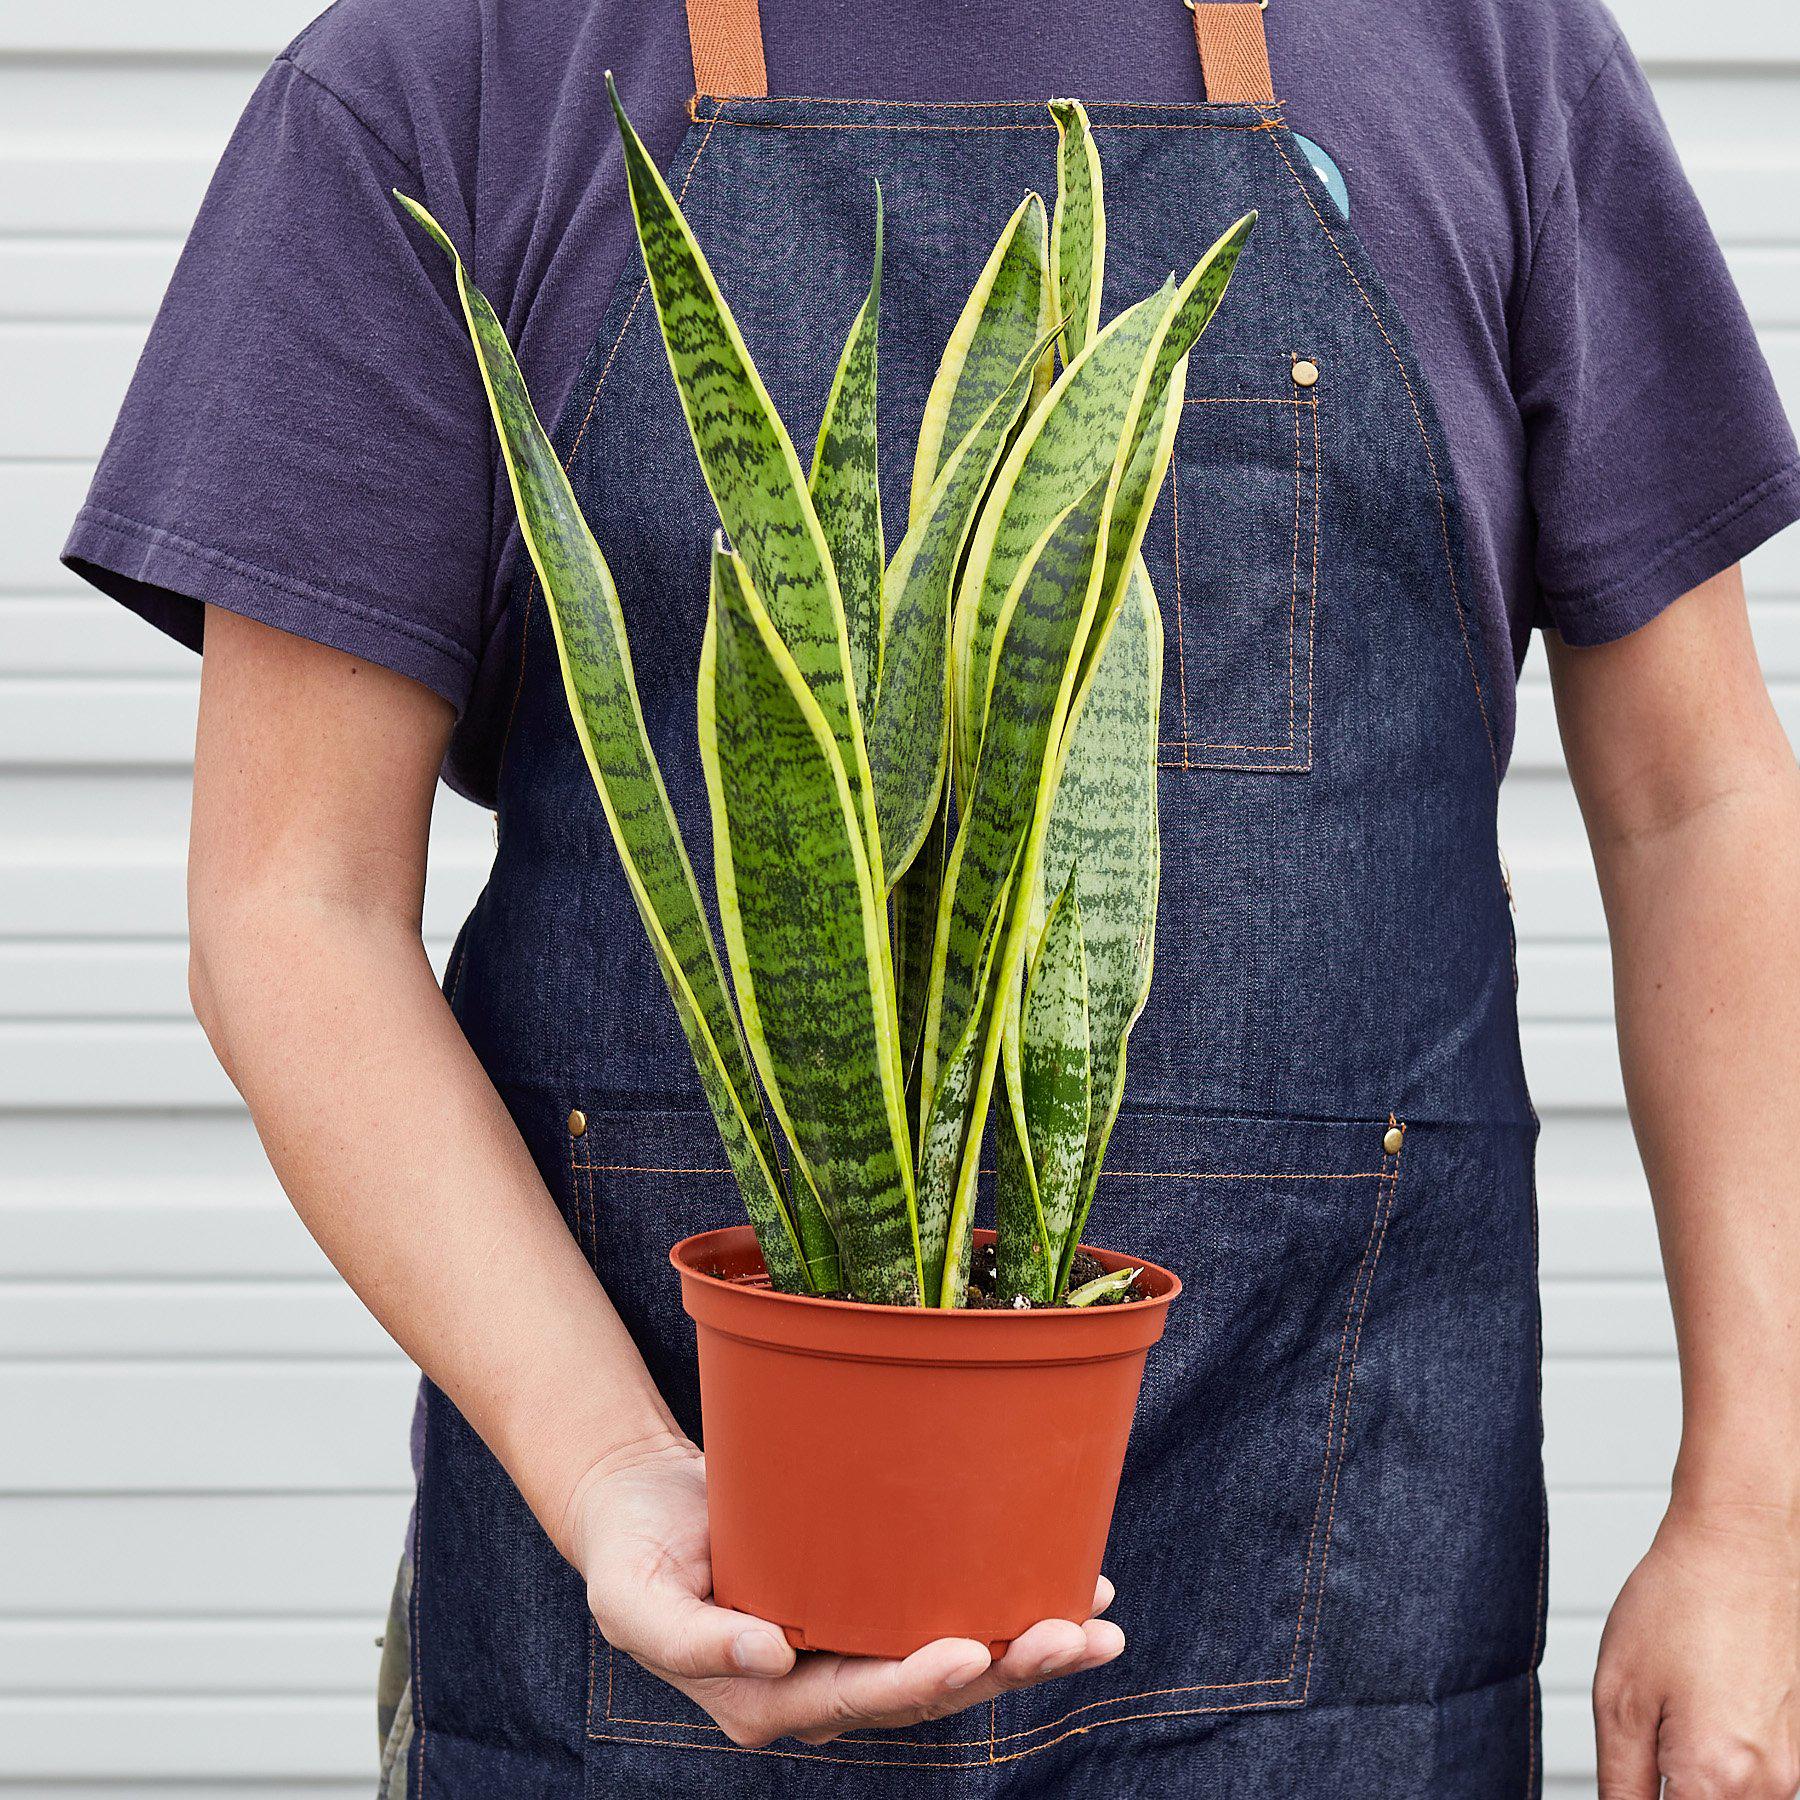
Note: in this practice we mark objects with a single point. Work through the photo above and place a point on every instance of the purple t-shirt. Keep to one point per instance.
(306, 440)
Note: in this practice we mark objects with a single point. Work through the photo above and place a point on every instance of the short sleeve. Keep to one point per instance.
(301, 442)
(1658, 453)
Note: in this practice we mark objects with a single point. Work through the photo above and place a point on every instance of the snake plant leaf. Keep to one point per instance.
(1078, 228)
(909, 732)
(1067, 444)
(1051, 597)
(1102, 835)
(944, 1138)
(915, 902)
(1007, 315)
(1050, 1140)
(805, 934)
(846, 488)
(595, 656)
(749, 462)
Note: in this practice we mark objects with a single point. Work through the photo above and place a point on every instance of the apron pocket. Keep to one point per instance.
(1236, 1476)
(1233, 549)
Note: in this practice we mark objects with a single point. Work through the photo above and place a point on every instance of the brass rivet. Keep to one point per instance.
(577, 1123)
(1393, 1140)
(1306, 372)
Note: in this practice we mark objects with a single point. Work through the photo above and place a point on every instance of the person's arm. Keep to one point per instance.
(1691, 797)
(313, 784)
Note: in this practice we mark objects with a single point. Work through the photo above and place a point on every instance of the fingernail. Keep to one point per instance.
(760, 1653)
(963, 1673)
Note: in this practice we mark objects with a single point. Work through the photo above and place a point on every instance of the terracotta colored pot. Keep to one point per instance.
(879, 1476)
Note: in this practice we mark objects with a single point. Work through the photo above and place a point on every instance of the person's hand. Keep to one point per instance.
(636, 1529)
(1699, 1677)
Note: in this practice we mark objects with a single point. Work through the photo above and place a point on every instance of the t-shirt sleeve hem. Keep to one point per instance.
(169, 580)
(1617, 608)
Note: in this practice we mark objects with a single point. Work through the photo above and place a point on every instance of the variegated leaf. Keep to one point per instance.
(1102, 831)
(749, 463)
(909, 734)
(1005, 317)
(1035, 1213)
(805, 932)
(1078, 230)
(846, 489)
(1069, 443)
(595, 657)
(944, 1140)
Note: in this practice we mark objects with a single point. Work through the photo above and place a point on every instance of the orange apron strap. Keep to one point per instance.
(726, 37)
(1234, 52)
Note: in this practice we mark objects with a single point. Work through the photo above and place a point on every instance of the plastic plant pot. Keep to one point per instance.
(880, 1476)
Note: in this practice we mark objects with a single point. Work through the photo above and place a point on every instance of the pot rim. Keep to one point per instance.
(686, 1256)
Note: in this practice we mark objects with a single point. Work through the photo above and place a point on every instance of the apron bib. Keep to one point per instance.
(1329, 1544)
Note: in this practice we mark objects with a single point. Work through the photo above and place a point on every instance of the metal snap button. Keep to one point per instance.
(1306, 372)
(1392, 1141)
(577, 1123)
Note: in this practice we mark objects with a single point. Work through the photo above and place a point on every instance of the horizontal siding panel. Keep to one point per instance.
(160, 1427)
(195, 1556)
(77, 632)
(85, 280)
(169, 1229)
(228, 1657)
(181, 1738)
(114, 1320)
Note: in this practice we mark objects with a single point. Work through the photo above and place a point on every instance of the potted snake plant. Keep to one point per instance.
(932, 778)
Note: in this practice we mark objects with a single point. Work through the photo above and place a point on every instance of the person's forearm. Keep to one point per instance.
(403, 1162)
(1704, 909)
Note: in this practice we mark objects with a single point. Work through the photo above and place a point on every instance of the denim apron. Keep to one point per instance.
(1329, 1545)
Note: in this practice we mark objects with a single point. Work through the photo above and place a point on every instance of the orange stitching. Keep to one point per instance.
(1180, 647)
(1424, 438)
(1350, 1395)
(644, 1169)
(1312, 617)
(1210, 749)
(418, 1583)
(531, 591)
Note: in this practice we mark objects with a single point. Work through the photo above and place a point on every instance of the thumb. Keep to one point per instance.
(663, 1625)
(1626, 1731)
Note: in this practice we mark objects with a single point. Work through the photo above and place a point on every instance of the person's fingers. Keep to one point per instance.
(666, 1626)
(1103, 1597)
(828, 1695)
(1625, 1734)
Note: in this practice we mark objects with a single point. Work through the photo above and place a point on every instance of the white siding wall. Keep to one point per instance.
(202, 1465)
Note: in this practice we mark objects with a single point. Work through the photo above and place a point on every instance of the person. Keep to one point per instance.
(1513, 389)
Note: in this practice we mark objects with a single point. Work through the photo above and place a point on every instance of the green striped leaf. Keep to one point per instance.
(845, 485)
(595, 658)
(909, 733)
(805, 936)
(1102, 834)
(1078, 230)
(749, 463)
(1069, 443)
(1104, 1288)
(1044, 616)
(915, 902)
(1006, 317)
(1049, 1140)
(944, 1141)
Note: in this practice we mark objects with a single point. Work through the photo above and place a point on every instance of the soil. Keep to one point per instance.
(984, 1278)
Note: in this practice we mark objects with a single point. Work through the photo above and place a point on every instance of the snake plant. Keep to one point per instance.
(932, 775)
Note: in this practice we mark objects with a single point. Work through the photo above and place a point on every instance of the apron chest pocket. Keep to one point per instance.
(1234, 552)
